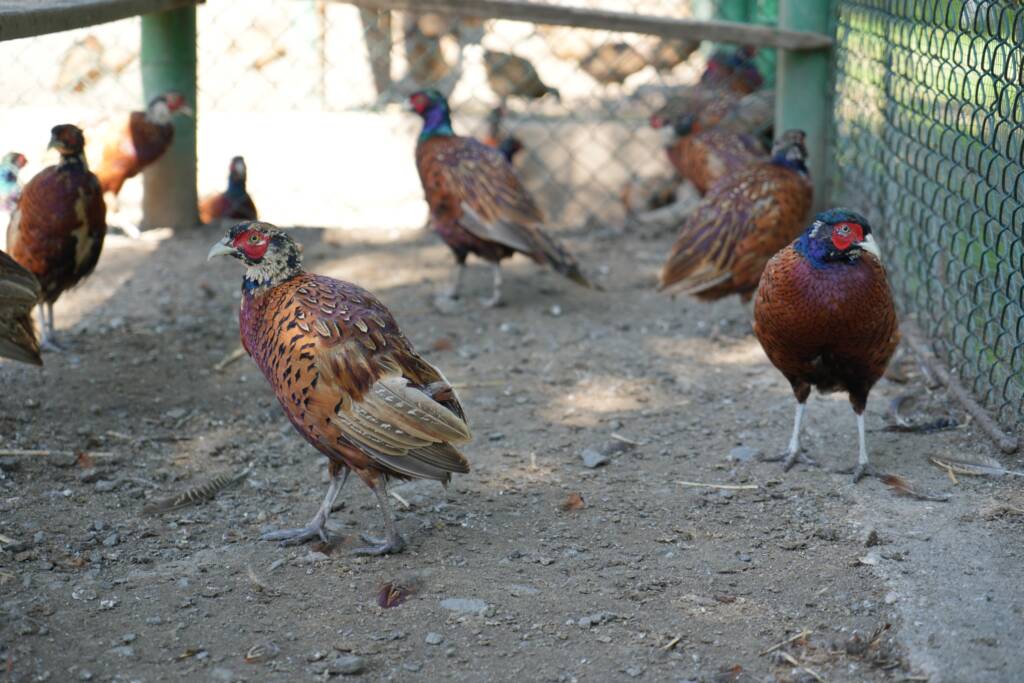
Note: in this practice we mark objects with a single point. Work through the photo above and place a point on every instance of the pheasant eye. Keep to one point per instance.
(254, 238)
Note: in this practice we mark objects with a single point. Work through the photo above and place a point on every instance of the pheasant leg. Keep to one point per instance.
(49, 337)
(392, 542)
(863, 467)
(446, 300)
(317, 526)
(793, 455)
(495, 299)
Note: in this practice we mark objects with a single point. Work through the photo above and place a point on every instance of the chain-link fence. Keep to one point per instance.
(313, 94)
(929, 140)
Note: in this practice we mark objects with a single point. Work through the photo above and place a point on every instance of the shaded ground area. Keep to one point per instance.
(650, 579)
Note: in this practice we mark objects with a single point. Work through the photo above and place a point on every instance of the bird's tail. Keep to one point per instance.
(559, 258)
(22, 344)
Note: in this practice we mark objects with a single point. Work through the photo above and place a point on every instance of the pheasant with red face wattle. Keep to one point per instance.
(234, 203)
(740, 223)
(140, 141)
(57, 229)
(347, 378)
(477, 204)
(825, 317)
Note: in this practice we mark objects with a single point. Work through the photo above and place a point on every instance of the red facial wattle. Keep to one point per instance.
(419, 102)
(253, 244)
(846, 234)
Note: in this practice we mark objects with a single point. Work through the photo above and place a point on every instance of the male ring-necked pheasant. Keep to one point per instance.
(57, 229)
(477, 204)
(824, 315)
(348, 379)
(740, 223)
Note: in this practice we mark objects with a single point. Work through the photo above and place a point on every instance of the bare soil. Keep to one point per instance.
(650, 579)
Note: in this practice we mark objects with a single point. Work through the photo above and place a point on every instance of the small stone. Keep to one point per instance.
(556, 310)
(891, 597)
(175, 413)
(433, 638)
(519, 590)
(593, 458)
(634, 671)
(85, 675)
(112, 540)
(108, 603)
(128, 638)
(106, 485)
(495, 436)
(219, 673)
(346, 665)
(412, 666)
(464, 605)
(38, 537)
(743, 454)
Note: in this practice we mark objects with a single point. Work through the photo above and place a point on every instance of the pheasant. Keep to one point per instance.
(10, 185)
(57, 230)
(235, 202)
(825, 317)
(143, 139)
(347, 378)
(740, 223)
(512, 76)
(733, 71)
(19, 292)
(705, 156)
(477, 204)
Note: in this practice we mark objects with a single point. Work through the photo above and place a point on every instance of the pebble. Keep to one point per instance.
(175, 413)
(465, 605)
(112, 540)
(346, 665)
(433, 638)
(634, 671)
(743, 454)
(38, 537)
(891, 597)
(106, 485)
(108, 603)
(593, 458)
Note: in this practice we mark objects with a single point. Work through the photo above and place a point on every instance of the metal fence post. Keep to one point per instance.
(169, 63)
(802, 98)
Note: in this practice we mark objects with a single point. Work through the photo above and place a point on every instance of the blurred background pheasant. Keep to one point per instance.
(348, 379)
(740, 223)
(824, 315)
(140, 140)
(235, 202)
(477, 204)
(10, 184)
(512, 76)
(19, 294)
(58, 227)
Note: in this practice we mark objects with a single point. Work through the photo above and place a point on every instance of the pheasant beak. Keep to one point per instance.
(185, 110)
(871, 246)
(221, 248)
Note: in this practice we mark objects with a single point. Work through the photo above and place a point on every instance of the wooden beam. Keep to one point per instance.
(26, 18)
(580, 17)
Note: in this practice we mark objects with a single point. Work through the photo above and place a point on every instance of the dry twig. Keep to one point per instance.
(727, 487)
(803, 634)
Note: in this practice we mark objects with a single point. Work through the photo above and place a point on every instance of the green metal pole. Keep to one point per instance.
(734, 10)
(169, 63)
(802, 97)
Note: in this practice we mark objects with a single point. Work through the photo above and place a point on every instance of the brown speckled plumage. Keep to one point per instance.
(707, 156)
(739, 224)
(19, 293)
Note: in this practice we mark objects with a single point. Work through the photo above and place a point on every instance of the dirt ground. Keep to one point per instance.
(788, 577)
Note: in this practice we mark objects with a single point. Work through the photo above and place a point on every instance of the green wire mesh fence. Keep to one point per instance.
(928, 138)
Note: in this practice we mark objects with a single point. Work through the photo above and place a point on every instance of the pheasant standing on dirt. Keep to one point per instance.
(233, 203)
(10, 185)
(19, 293)
(57, 230)
(825, 317)
(348, 379)
(477, 204)
(142, 139)
(740, 223)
